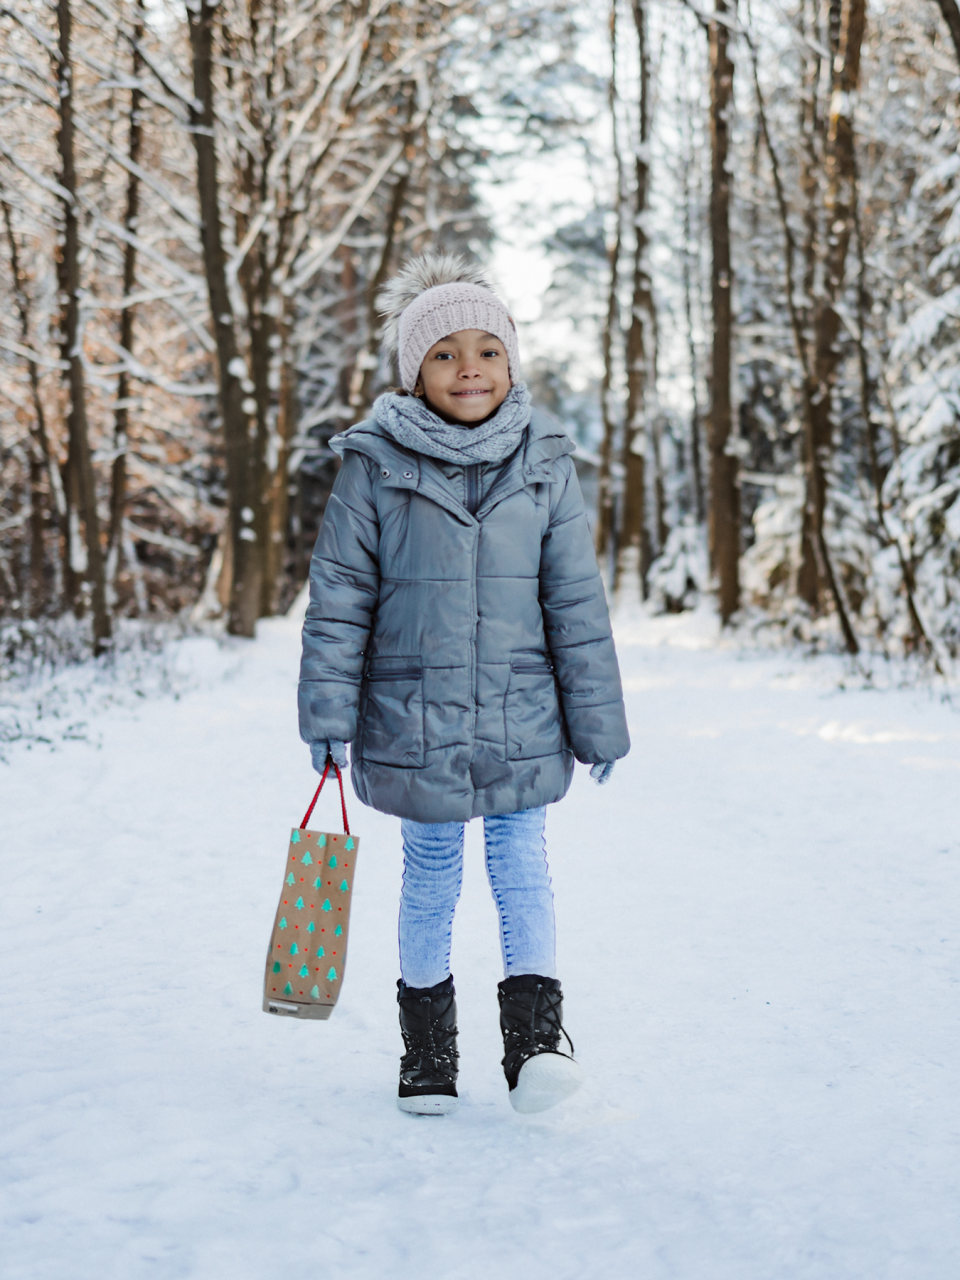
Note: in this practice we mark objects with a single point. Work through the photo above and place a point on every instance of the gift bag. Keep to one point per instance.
(308, 946)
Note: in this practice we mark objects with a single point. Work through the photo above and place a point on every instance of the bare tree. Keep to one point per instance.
(848, 20)
(724, 519)
(361, 380)
(86, 560)
(808, 375)
(118, 487)
(641, 331)
(42, 460)
(311, 125)
(951, 16)
(606, 531)
(235, 410)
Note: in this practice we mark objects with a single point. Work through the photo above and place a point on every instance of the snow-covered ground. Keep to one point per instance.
(759, 949)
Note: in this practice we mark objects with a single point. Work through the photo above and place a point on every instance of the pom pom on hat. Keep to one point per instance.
(433, 296)
(416, 277)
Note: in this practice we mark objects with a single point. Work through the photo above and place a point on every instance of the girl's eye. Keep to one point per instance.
(443, 355)
(491, 353)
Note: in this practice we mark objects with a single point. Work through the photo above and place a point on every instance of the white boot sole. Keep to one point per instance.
(429, 1104)
(544, 1081)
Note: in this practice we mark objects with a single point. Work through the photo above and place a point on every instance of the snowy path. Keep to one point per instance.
(759, 949)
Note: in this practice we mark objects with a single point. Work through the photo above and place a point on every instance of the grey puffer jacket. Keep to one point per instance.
(468, 657)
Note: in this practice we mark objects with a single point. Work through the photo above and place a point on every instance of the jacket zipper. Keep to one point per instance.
(472, 486)
(396, 673)
(530, 668)
(472, 649)
(472, 477)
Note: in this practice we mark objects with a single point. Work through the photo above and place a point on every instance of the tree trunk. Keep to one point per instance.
(724, 527)
(698, 502)
(121, 420)
(361, 382)
(605, 537)
(803, 353)
(847, 29)
(878, 474)
(640, 342)
(689, 165)
(41, 458)
(809, 572)
(366, 363)
(811, 128)
(35, 590)
(951, 16)
(255, 276)
(277, 494)
(235, 411)
(82, 486)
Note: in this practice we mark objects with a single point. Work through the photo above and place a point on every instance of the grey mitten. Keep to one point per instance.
(320, 750)
(601, 772)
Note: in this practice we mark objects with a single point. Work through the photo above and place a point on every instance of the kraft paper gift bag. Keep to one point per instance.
(308, 946)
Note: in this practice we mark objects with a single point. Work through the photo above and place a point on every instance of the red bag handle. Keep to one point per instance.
(343, 799)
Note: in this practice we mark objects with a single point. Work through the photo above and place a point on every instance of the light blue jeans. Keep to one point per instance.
(519, 879)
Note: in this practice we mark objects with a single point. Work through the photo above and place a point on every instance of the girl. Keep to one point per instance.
(458, 636)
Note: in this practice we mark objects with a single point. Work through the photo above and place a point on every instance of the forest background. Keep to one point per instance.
(730, 235)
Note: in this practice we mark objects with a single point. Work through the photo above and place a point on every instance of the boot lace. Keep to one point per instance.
(430, 1046)
(542, 1030)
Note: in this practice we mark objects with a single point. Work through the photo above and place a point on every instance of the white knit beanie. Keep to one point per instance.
(434, 296)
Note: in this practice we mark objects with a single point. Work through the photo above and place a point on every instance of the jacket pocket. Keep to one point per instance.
(391, 730)
(533, 721)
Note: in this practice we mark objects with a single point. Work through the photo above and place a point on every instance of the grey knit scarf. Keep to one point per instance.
(418, 428)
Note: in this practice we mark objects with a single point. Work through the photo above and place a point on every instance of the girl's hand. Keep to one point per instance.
(320, 750)
(601, 773)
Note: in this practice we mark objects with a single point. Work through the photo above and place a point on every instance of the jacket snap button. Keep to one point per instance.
(408, 475)
(385, 473)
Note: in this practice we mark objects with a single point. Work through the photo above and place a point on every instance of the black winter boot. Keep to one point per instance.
(531, 1019)
(428, 1069)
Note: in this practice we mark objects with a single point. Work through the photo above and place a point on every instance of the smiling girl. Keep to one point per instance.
(458, 636)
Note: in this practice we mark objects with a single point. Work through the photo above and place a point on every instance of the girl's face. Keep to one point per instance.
(465, 377)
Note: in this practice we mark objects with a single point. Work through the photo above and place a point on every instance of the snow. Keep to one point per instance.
(758, 945)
